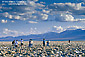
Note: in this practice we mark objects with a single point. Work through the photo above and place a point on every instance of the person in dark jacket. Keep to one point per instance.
(30, 43)
(43, 42)
(69, 41)
(48, 42)
(13, 42)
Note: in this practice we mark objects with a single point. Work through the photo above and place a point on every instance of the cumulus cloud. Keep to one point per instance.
(6, 21)
(44, 16)
(64, 17)
(46, 11)
(24, 12)
(8, 32)
(3, 21)
(60, 29)
(33, 11)
(10, 16)
(75, 8)
(17, 17)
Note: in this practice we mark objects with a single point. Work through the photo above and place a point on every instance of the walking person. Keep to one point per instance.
(30, 43)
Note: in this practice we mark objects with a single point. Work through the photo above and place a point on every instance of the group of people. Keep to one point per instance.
(15, 43)
(44, 43)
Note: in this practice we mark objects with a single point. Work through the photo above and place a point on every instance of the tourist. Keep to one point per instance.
(30, 43)
(43, 42)
(21, 42)
(16, 43)
(13, 42)
(48, 43)
(69, 41)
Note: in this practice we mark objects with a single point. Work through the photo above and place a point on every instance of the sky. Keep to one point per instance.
(25, 17)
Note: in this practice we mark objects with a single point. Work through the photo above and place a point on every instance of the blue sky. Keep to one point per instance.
(25, 17)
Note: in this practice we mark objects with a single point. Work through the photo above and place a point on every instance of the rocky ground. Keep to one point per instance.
(56, 49)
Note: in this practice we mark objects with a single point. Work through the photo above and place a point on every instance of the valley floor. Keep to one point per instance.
(56, 49)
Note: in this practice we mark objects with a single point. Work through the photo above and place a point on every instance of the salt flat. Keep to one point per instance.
(56, 49)
(40, 42)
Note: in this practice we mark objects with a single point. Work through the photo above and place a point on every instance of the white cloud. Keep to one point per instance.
(77, 6)
(6, 14)
(10, 16)
(32, 22)
(64, 17)
(17, 17)
(60, 29)
(7, 31)
(46, 11)
(30, 11)
(74, 8)
(39, 11)
(44, 16)
(32, 3)
(3, 21)
(34, 31)
(80, 19)
(74, 27)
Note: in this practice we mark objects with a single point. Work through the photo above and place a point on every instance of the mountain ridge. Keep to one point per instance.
(63, 36)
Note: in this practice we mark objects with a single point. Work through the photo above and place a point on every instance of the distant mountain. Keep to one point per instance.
(63, 36)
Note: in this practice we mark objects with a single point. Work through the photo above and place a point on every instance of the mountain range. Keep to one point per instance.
(74, 35)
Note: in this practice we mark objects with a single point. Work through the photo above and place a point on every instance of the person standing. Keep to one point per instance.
(13, 44)
(43, 42)
(16, 43)
(48, 43)
(21, 42)
(30, 43)
(69, 41)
